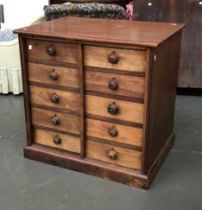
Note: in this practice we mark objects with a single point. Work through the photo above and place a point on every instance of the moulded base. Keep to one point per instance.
(97, 168)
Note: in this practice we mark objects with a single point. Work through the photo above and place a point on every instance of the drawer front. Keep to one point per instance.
(115, 132)
(57, 140)
(116, 109)
(114, 58)
(53, 75)
(47, 51)
(56, 120)
(115, 155)
(55, 98)
(115, 84)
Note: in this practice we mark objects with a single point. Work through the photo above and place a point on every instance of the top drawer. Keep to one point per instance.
(47, 51)
(115, 58)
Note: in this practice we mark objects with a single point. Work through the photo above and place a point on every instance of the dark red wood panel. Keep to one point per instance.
(180, 11)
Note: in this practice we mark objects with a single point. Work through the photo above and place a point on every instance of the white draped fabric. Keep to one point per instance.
(10, 70)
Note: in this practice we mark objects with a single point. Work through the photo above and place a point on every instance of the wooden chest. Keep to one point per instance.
(99, 95)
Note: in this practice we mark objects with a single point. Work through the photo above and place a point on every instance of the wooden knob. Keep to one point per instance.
(113, 109)
(112, 155)
(113, 58)
(57, 139)
(55, 120)
(51, 50)
(53, 75)
(113, 84)
(55, 98)
(113, 132)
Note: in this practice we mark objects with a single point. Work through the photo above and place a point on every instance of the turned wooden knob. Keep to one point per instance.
(113, 84)
(55, 120)
(112, 155)
(57, 139)
(53, 75)
(55, 98)
(113, 109)
(51, 50)
(113, 132)
(113, 58)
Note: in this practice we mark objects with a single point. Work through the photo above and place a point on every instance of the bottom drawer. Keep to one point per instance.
(113, 154)
(56, 140)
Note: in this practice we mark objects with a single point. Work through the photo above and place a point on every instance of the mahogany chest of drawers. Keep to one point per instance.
(99, 95)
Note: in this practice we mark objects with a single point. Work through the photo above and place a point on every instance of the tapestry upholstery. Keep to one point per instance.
(92, 10)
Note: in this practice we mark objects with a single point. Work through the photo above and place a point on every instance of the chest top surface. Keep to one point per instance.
(148, 34)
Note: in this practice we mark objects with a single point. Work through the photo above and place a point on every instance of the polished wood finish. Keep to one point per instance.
(55, 76)
(179, 11)
(128, 60)
(103, 152)
(64, 53)
(82, 102)
(129, 111)
(125, 134)
(45, 118)
(67, 142)
(27, 103)
(42, 96)
(163, 92)
(131, 33)
(98, 168)
(114, 104)
(120, 85)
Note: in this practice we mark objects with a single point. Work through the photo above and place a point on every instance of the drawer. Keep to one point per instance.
(116, 84)
(116, 109)
(48, 51)
(56, 120)
(57, 140)
(115, 58)
(55, 98)
(53, 75)
(115, 132)
(115, 155)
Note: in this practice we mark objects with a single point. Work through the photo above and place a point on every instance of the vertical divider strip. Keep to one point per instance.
(150, 56)
(82, 100)
(26, 91)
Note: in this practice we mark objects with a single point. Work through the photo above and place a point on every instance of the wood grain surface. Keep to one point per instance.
(40, 73)
(68, 142)
(71, 161)
(68, 100)
(26, 91)
(129, 111)
(129, 60)
(68, 122)
(65, 53)
(122, 133)
(125, 157)
(188, 12)
(126, 134)
(129, 86)
(124, 32)
(162, 97)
